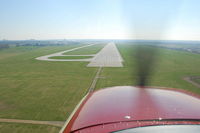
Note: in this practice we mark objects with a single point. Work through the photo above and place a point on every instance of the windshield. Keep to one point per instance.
(164, 129)
(99, 65)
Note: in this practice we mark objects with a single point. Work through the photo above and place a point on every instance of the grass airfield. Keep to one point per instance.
(170, 68)
(27, 128)
(49, 91)
(40, 90)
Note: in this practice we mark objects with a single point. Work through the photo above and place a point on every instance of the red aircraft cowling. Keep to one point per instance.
(123, 107)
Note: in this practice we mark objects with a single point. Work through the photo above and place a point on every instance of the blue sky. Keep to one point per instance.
(100, 19)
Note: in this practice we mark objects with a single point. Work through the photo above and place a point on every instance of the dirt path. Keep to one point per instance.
(190, 80)
(51, 123)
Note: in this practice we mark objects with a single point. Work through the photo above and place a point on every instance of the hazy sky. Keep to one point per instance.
(96, 19)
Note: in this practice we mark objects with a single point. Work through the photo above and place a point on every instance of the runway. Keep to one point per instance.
(108, 56)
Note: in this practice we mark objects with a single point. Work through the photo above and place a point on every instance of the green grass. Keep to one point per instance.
(71, 57)
(169, 70)
(40, 90)
(27, 128)
(87, 50)
(43, 90)
(197, 80)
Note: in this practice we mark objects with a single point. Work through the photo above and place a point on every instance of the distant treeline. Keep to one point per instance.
(193, 50)
(38, 43)
(4, 46)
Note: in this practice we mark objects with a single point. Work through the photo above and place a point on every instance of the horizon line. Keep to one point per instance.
(95, 39)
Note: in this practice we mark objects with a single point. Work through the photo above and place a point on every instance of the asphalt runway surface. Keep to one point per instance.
(108, 56)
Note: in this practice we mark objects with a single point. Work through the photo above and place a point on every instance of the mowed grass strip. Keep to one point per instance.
(71, 57)
(27, 128)
(40, 90)
(87, 50)
(170, 68)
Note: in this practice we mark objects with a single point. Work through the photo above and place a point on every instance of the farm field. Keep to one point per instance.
(49, 91)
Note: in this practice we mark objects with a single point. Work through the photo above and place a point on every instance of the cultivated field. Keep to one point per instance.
(48, 91)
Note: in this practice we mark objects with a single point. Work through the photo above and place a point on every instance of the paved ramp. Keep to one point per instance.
(109, 56)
